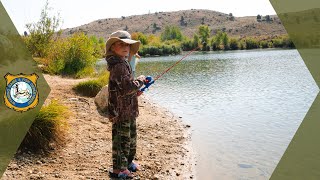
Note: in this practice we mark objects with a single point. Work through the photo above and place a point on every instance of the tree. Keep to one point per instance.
(41, 33)
(268, 18)
(195, 42)
(181, 21)
(234, 44)
(141, 37)
(204, 34)
(171, 33)
(259, 18)
(220, 41)
(225, 41)
(231, 17)
(202, 21)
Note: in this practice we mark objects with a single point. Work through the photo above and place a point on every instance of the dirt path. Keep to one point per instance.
(163, 147)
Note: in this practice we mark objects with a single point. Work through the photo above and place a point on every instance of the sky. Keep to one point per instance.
(76, 13)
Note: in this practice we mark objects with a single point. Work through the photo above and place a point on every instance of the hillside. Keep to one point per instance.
(187, 20)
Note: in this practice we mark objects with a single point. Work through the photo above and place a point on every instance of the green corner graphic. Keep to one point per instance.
(301, 19)
(15, 59)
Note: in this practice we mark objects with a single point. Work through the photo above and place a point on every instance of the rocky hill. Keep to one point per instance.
(187, 20)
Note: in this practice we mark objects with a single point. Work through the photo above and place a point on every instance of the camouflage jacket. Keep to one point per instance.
(123, 100)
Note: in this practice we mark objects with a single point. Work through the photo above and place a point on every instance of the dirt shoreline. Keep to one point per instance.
(164, 145)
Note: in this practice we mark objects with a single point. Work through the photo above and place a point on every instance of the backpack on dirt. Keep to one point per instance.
(101, 101)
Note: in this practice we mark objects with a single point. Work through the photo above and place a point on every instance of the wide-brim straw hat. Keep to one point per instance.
(123, 36)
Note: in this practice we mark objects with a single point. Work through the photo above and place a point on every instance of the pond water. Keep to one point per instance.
(244, 107)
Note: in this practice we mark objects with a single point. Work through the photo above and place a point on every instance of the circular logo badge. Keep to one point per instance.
(21, 92)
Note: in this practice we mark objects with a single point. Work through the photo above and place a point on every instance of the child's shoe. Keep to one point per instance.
(133, 167)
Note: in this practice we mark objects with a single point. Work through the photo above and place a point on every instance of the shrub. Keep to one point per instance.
(171, 33)
(287, 43)
(277, 43)
(187, 45)
(55, 60)
(49, 127)
(141, 37)
(263, 44)
(251, 43)
(98, 46)
(242, 44)
(79, 55)
(92, 87)
(233, 45)
(163, 49)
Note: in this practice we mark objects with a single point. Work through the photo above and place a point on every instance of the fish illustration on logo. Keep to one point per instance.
(21, 92)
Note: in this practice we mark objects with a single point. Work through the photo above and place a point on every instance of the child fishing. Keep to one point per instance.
(123, 102)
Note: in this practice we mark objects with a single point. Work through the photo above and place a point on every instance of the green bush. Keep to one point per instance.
(171, 33)
(263, 44)
(75, 56)
(277, 43)
(55, 60)
(242, 44)
(141, 37)
(79, 54)
(233, 45)
(99, 46)
(187, 45)
(287, 43)
(49, 127)
(92, 87)
(251, 43)
(160, 50)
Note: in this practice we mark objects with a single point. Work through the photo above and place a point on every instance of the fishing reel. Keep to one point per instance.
(148, 82)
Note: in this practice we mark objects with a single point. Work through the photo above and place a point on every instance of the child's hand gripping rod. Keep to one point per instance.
(147, 84)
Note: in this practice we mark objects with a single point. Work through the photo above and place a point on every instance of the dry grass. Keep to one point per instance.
(241, 26)
(48, 128)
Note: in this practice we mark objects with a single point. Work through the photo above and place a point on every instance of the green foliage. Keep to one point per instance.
(92, 87)
(233, 45)
(79, 54)
(141, 37)
(196, 40)
(251, 43)
(171, 33)
(287, 42)
(242, 44)
(154, 40)
(225, 41)
(204, 34)
(220, 41)
(73, 56)
(264, 44)
(277, 43)
(188, 44)
(98, 46)
(283, 42)
(160, 50)
(54, 63)
(49, 127)
(41, 33)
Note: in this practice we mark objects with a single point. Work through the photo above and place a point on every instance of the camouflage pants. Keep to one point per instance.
(124, 142)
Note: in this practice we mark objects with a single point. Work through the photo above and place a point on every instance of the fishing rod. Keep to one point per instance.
(149, 81)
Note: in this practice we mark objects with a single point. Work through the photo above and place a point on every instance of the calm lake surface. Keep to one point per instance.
(244, 107)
